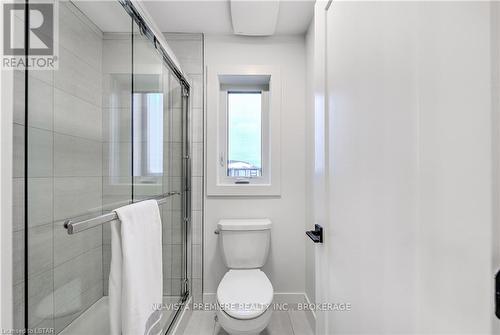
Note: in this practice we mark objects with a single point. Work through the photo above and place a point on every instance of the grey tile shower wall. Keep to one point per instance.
(77, 165)
(117, 142)
(64, 179)
(188, 48)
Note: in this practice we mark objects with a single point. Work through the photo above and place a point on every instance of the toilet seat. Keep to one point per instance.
(245, 294)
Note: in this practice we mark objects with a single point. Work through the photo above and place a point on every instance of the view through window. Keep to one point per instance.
(244, 143)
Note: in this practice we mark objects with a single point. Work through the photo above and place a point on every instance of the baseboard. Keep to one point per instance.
(183, 319)
(280, 298)
(208, 298)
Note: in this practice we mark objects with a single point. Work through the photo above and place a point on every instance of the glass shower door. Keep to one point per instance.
(158, 158)
(104, 129)
(77, 166)
(175, 213)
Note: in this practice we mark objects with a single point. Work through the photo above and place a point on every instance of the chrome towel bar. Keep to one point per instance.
(74, 226)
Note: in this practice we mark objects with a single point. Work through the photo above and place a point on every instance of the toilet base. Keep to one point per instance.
(244, 327)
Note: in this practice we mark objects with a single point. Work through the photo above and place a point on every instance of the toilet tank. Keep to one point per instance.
(245, 242)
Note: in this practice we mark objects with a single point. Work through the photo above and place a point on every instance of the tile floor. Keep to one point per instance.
(282, 323)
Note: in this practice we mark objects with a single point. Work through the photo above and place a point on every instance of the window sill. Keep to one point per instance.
(243, 190)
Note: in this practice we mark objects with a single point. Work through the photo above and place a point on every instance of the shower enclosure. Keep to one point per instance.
(107, 128)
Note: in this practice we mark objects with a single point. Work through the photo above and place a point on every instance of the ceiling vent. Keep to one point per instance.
(254, 18)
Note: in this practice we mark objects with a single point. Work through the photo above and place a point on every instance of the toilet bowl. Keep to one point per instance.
(244, 298)
(245, 293)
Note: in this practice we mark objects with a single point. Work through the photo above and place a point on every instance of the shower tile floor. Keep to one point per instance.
(95, 320)
(282, 323)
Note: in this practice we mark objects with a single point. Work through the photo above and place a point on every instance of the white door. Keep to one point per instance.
(321, 161)
(496, 161)
(407, 142)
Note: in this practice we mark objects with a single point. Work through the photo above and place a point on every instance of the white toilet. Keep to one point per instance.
(245, 293)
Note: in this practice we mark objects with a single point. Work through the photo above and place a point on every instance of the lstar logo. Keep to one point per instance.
(42, 36)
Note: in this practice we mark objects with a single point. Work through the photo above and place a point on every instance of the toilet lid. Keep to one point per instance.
(245, 294)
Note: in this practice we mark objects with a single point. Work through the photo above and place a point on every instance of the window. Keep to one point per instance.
(148, 134)
(243, 133)
(244, 144)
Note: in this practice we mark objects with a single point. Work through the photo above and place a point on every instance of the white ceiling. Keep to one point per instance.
(214, 16)
(100, 12)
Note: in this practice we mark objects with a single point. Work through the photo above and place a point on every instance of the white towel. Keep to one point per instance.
(135, 278)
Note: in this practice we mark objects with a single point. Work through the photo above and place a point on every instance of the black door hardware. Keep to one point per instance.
(317, 234)
(497, 295)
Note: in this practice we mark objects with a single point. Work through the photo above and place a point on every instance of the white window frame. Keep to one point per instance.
(217, 181)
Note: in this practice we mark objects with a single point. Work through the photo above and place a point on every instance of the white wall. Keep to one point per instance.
(455, 160)
(285, 266)
(409, 144)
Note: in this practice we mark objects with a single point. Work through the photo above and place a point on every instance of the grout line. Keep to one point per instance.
(52, 131)
(79, 255)
(73, 95)
(214, 329)
(53, 208)
(74, 136)
(72, 177)
(59, 87)
(290, 321)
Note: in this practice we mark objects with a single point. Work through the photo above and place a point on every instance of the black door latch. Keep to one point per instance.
(317, 234)
(497, 295)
